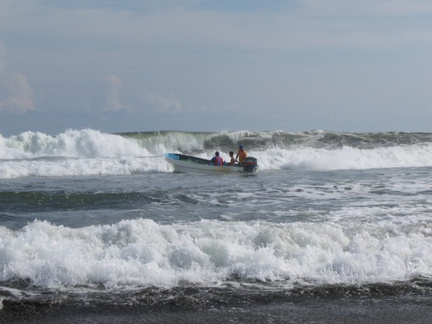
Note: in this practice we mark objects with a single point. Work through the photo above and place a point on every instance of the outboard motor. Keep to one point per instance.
(250, 165)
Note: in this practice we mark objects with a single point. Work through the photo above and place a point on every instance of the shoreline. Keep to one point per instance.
(401, 309)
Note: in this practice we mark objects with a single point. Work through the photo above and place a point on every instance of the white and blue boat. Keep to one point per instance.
(191, 164)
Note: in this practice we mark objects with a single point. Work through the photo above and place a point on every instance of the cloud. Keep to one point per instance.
(115, 86)
(164, 103)
(17, 94)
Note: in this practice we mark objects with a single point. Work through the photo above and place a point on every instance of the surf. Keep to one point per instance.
(91, 152)
(142, 253)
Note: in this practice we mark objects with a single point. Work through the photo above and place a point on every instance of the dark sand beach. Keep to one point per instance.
(347, 310)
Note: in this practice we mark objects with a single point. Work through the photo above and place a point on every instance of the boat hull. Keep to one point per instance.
(190, 164)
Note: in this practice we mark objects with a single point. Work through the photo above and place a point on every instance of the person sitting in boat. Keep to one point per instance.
(241, 155)
(217, 160)
(232, 160)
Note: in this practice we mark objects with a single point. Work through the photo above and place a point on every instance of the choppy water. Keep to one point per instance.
(88, 218)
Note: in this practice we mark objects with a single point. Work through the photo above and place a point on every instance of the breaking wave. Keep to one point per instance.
(90, 152)
(142, 253)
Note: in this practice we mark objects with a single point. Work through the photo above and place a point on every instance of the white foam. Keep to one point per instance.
(90, 152)
(143, 253)
(80, 166)
(346, 158)
(72, 143)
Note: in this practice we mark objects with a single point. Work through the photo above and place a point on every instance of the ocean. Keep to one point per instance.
(334, 228)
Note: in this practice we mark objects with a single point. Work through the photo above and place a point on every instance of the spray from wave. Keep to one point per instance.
(90, 152)
(142, 253)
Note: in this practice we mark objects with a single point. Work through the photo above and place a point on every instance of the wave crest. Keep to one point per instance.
(91, 152)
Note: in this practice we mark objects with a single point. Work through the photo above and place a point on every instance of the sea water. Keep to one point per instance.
(89, 219)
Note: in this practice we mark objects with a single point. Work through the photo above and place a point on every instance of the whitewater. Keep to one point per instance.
(334, 228)
(90, 152)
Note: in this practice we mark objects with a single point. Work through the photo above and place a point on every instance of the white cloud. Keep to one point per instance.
(15, 93)
(115, 86)
(164, 103)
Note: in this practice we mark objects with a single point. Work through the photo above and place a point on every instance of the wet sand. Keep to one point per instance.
(350, 310)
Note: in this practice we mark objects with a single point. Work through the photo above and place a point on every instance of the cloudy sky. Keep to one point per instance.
(215, 65)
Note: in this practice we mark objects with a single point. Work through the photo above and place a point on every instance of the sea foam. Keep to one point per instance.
(90, 152)
(141, 252)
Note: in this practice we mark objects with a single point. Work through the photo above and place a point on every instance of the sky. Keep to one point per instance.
(215, 65)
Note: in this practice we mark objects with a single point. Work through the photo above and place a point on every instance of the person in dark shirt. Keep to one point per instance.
(216, 159)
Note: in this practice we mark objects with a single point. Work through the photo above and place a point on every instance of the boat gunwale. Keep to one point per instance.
(184, 163)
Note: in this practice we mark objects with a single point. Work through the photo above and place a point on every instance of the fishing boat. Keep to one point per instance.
(187, 164)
